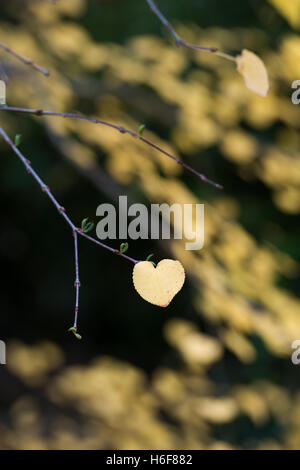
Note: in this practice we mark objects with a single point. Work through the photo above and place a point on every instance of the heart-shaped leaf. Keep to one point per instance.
(158, 285)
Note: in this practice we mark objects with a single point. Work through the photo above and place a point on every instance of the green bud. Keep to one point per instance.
(87, 225)
(18, 140)
(124, 247)
(74, 331)
(141, 129)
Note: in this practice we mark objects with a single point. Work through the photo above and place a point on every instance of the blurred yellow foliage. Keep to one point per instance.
(235, 278)
(290, 10)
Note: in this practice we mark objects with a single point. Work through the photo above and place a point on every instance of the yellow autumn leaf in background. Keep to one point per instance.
(289, 9)
(158, 285)
(252, 68)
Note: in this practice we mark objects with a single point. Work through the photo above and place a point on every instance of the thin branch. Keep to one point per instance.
(25, 60)
(3, 74)
(77, 281)
(123, 130)
(58, 206)
(112, 250)
(178, 40)
(75, 230)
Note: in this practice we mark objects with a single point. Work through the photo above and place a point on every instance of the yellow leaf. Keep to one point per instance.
(158, 285)
(254, 72)
(289, 9)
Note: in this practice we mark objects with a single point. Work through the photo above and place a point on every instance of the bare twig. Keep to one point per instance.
(123, 130)
(77, 281)
(178, 40)
(112, 250)
(25, 60)
(3, 74)
(75, 230)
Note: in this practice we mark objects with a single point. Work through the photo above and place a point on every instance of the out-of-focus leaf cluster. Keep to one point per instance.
(207, 116)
